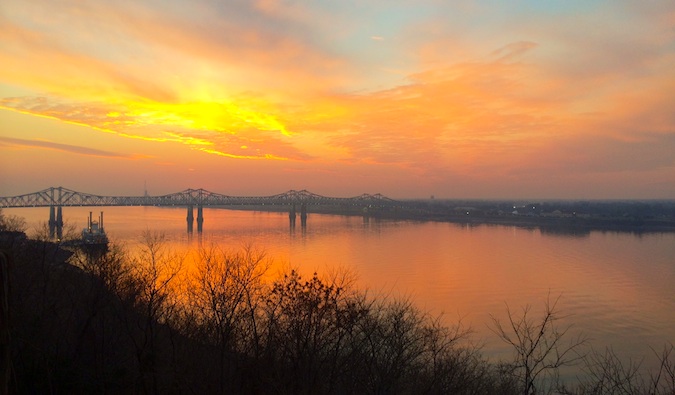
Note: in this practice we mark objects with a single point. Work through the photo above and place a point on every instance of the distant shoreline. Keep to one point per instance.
(567, 224)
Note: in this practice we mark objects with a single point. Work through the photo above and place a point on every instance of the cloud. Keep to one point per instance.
(446, 116)
(162, 51)
(215, 128)
(513, 50)
(45, 62)
(504, 115)
(74, 149)
(593, 154)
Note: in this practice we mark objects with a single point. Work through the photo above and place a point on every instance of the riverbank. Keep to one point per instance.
(554, 217)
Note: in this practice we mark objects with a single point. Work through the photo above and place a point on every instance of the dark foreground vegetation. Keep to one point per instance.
(107, 322)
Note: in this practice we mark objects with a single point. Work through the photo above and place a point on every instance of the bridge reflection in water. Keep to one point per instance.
(58, 197)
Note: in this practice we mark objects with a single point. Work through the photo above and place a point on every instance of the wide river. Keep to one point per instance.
(618, 289)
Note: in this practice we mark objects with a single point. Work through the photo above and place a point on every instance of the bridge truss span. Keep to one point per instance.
(64, 197)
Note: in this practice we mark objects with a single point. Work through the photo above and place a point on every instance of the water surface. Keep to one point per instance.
(616, 288)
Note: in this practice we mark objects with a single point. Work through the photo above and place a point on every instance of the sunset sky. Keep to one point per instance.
(408, 98)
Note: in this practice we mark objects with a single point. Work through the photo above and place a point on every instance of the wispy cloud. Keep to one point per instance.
(513, 50)
(74, 149)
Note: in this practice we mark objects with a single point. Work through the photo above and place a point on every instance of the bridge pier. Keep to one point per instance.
(303, 215)
(200, 218)
(190, 218)
(52, 222)
(55, 222)
(59, 222)
(291, 216)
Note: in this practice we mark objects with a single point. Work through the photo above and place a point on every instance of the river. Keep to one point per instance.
(615, 288)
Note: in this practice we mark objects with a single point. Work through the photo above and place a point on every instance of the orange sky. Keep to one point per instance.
(461, 99)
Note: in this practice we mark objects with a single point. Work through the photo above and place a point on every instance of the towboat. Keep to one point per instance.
(94, 234)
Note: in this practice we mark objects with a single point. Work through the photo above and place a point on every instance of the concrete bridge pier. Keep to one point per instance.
(291, 216)
(59, 222)
(190, 218)
(55, 222)
(52, 222)
(200, 218)
(303, 214)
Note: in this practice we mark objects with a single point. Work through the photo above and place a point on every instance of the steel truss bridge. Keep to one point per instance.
(63, 197)
(58, 197)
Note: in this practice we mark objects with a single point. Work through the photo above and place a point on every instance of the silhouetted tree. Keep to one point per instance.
(154, 272)
(12, 223)
(302, 332)
(69, 232)
(607, 374)
(663, 380)
(539, 345)
(226, 296)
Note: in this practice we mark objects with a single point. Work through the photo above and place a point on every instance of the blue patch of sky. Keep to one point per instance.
(544, 7)
(372, 35)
